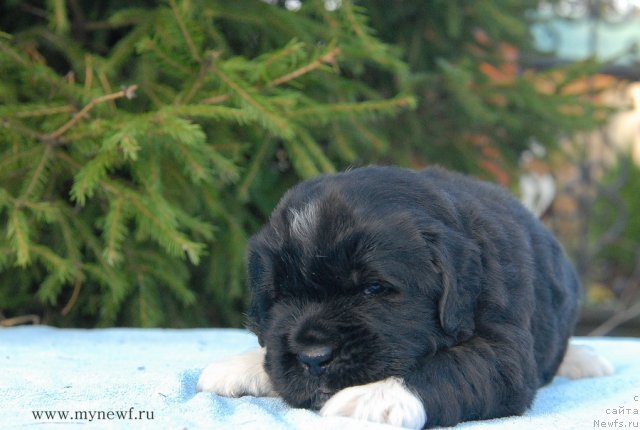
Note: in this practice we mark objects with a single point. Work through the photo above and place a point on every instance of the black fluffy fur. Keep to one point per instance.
(473, 300)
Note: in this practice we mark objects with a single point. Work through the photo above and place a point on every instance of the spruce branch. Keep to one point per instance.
(88, 72)
(196, 170)
(379, 144)
(114, 230)
(314, 150)
(38, 70)
(20, 320)
(358, 25)
(294, 47)
(128, 92)
(122, 52)
(279, 126)
(183, 29)
(377, 50)
(342, 144)
(320, 5)
(172, 276)
(237, 115)
(167, 236)
(44, 111)
(196, 225)
(90, 175)
(123, 18)
(18, 232)
(108, 186)
(301, 160)
(62, 269)
(106, 86)
(372, 107)
(153, 47)
(20, 128)
(70, 237)
(195, 87)
(224, 167)
(44, 211)
(216, 99)
(59, 20)
(205, 69)
(254, 168)
(328, 58)
(38, 175)
(74, 297)
(8, 161)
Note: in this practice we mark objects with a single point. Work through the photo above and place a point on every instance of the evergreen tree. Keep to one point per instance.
(142, 142)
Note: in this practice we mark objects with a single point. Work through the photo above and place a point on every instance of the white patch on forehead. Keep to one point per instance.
(304, 221)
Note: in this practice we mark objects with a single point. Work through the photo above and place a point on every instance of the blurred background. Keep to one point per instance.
(142, 142)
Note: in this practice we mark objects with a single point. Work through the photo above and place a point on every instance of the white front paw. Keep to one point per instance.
(580, 361)
(388, 401)
(239, 375)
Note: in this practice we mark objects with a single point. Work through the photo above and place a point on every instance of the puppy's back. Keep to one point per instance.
(556, 284)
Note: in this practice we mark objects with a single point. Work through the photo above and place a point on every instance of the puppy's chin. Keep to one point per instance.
(320, 398)
(302, 390)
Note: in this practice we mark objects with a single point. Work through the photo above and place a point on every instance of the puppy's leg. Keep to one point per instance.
(237, 376)
(477, 379)
(388, 401)
(580, 361)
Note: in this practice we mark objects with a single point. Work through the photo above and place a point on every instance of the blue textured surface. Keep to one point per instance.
(90, 373)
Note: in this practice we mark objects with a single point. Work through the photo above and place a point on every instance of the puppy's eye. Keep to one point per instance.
(375, 289)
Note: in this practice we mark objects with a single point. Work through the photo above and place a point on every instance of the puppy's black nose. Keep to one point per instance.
(316, 358)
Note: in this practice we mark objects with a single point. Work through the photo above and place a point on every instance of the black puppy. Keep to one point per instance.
(411, 298)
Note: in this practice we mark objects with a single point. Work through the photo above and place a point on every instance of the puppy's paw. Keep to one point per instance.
(388, 401)
(580, 361)
(239, 375)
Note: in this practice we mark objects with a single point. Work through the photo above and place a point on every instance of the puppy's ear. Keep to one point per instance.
(458, 260)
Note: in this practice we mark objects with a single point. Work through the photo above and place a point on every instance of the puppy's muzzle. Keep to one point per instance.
(316, 358)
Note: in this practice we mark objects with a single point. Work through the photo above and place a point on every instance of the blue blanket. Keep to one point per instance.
(146, 379)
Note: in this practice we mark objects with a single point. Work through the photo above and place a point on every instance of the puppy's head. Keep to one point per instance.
(351, 288)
